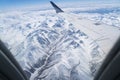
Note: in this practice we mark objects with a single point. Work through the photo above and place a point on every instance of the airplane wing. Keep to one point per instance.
(101, 33)
(57, 9)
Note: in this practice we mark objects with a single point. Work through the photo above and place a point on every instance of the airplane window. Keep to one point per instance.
(60, 39)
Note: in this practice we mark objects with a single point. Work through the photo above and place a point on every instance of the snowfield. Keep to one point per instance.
(66, 46)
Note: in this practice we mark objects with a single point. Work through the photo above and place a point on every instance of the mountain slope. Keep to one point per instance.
(53, 46)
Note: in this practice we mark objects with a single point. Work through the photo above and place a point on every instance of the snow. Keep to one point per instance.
(66, 46)
(102, 33)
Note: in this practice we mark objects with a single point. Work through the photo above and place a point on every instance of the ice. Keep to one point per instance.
(66, 46)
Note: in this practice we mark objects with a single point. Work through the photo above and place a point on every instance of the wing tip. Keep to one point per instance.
(57, 9)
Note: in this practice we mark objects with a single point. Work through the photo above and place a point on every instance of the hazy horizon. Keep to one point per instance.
(21, 4)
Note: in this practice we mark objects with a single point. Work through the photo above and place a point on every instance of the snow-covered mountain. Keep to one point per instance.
(48, 46)
(109, 16)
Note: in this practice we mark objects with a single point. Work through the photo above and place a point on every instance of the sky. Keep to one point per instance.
(6, 4)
